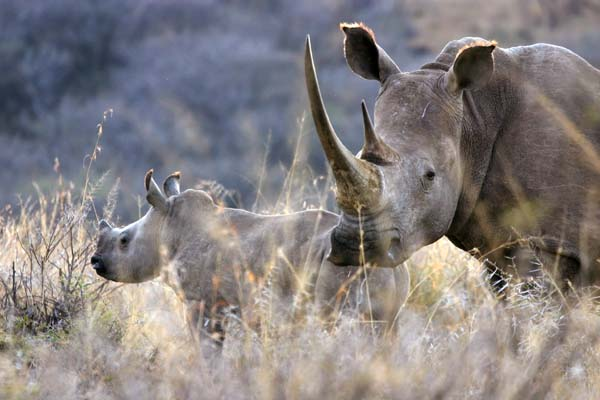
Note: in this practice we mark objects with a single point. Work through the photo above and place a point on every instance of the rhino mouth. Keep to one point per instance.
(380, 248)
(99, 266)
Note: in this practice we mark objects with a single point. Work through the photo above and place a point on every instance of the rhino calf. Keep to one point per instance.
(214, 257)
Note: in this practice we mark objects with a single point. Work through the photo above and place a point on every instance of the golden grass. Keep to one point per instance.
(66, 334)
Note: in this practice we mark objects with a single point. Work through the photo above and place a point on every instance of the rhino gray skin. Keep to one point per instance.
(213, 256)
(498, 149)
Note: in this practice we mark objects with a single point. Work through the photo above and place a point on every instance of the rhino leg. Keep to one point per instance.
(204, 322)
(332, 287)
(529, 262)
(194, 317)
(387, 289)
(377, 293)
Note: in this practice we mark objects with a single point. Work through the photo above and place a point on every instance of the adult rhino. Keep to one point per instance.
(216, 257)
(495, 148)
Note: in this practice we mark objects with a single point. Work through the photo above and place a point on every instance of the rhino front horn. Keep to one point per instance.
(153, 194)
(358, 183)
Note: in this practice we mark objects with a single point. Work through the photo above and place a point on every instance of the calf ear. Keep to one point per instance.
(171, 184)
(472, 67)
(153, 193)
(363, 54)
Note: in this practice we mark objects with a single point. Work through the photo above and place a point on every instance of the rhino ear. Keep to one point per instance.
(363, 54)
(171, 184)
(472, 67)
(153, 193)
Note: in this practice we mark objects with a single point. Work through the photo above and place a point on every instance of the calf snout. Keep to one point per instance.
(98, 264)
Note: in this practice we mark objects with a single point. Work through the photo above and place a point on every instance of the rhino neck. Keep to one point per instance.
(485, 115)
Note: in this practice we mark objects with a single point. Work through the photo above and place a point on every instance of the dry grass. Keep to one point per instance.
(65, 334)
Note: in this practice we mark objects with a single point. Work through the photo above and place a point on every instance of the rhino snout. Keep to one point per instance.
(98, 264)
(380, 247)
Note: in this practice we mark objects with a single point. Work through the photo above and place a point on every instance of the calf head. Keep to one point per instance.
(137, 252)
(401, 191)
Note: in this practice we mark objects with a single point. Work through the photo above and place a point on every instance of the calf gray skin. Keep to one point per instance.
(496, 148)
(214, 257)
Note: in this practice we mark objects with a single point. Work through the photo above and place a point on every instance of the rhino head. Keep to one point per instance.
(135, 253)
(400, 192)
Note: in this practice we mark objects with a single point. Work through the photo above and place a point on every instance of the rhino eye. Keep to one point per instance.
(124, 240)
(427, 180)
(430, 175)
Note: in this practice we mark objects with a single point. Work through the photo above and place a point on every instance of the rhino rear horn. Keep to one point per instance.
(375, 149)
(153, 194)
(171, 185)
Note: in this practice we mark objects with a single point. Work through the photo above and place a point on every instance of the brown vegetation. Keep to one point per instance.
(65, 334)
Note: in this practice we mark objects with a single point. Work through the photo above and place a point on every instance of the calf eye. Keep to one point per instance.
(430, 175)
(124, 240)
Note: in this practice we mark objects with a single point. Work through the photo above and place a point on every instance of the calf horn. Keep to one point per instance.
(171, 184)
(358, 183)
(374, 148)
(153, 194)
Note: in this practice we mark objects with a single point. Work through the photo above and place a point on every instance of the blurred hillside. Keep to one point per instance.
(207, 87)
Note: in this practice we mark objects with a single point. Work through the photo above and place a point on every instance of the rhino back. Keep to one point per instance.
(226, 261)
(542, 178)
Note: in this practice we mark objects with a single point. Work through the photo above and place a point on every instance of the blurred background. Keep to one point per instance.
(215, 88)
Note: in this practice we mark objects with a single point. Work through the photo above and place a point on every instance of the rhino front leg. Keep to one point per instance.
(531, 262)
(204, 322)
(194, 316)
(387, 290)
(332, 288)
(377, 293)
